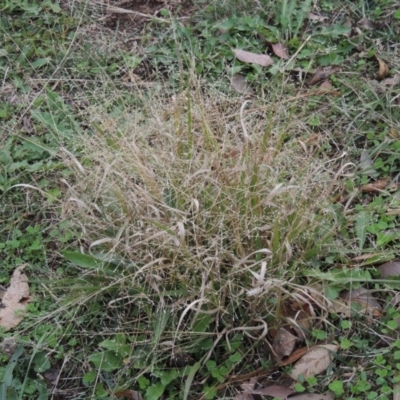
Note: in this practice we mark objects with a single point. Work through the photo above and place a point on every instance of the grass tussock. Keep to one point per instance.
(202, 198)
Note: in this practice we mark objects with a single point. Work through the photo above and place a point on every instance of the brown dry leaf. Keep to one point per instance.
(296, 355)
(128, 394)
(280, 50)
(244, 396)
(15, 299)
(312, 396)
(383, 69)
(321, 74)
(391, 81)
(300, 318)
(239, 84)
(246, 56)
(391, 268)
(325, 86)
(369, 25)
(376, 186)
(315, 361)
(315, 17)
(276, 391)
(52, 376)
(250, 385)
(364, 301)
(340, 307)
(284, 343)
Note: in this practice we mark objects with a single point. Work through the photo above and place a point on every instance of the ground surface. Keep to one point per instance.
(195, 221)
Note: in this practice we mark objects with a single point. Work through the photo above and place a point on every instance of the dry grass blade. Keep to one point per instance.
(199, 232)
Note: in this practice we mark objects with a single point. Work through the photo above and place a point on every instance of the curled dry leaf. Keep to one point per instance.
(391, 81)
(128, 395)
(376, 186)
(369, 25)
(321, 74)
(246, 56)
(276, 391)
(15, 300)
(391, 268)
(239, 84)
(280, 50)
(315, 361)
(383, 69)
(362, 300)
(284, 343)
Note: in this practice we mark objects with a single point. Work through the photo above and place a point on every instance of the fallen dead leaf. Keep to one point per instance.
(369, 25)
(296, 355)
(315, 361)
(15, 300)
(383, 69)
(299, 317)
(391, 268)
(340, 307)
(275, 391)
(52, 376)
(325, 86)
(280, 50)
(391, 81)
(321, 74)
(128, 394)
(376, 186)
(244, 396)
(364, 300)
(248, 57)
(315, 17)
(311, 396)
(239, 84)
(284, 343)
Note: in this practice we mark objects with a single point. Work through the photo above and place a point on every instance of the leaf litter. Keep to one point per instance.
(280, 50)
(15, 300)
(315, 361)
(252, 58)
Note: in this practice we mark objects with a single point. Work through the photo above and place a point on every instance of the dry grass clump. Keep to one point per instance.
(193, 194)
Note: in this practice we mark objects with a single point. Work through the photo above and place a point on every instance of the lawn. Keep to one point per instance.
(199, 200)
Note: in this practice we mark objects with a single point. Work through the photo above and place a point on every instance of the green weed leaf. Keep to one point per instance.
(106, 360)
(154, 392)
(82, 260)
